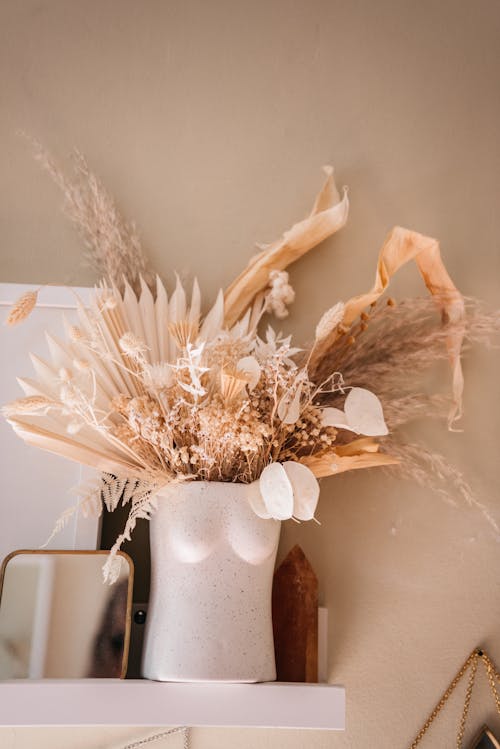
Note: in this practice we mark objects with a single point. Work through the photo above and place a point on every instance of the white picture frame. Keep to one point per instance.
(35, 485)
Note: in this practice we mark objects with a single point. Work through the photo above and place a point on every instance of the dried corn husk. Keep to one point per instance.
(329, 214)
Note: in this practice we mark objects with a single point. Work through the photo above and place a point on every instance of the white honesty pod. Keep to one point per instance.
(251, 368)
(257, 502)
(362, 414)
(276, 491)
(289, 407)
(334, 417)
(305, 489)
(363, 411)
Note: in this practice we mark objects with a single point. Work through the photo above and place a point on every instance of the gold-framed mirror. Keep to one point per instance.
(58, 619)
(485, 740)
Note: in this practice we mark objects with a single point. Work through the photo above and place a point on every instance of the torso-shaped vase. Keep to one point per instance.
(212, 563)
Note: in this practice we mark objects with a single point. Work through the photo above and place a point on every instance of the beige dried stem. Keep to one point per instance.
(328, 215)
(401, 246)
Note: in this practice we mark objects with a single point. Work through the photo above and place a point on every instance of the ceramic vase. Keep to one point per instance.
(212, 564)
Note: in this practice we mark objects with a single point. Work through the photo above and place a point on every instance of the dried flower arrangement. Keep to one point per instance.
(148, 390)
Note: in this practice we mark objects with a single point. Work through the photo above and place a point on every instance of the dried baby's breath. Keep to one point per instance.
(280, 295)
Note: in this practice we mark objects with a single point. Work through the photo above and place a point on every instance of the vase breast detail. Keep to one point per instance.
(212, 564)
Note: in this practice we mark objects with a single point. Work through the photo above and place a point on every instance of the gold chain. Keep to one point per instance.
(471, 662)
(468, 695)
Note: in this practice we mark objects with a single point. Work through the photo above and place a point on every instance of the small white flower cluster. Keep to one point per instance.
(280, 295)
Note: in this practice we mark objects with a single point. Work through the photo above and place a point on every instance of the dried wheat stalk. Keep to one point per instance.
(113, 247)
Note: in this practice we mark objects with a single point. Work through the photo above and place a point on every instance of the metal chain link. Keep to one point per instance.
(468, 695)
(420, 735)
(493, 676)
(472, 661)
(163, 734)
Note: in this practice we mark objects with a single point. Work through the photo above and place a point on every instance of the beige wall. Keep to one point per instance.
(209, 121)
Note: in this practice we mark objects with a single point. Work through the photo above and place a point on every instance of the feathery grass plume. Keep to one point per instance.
(433, 471)
(113, 247)
(396, 348)
(400, 247)
(22, 308)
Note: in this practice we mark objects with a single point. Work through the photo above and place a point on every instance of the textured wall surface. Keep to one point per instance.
(209, 122)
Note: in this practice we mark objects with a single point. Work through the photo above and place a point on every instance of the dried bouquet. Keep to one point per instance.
(151, 390)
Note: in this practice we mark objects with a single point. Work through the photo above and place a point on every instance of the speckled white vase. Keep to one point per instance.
(212, 564)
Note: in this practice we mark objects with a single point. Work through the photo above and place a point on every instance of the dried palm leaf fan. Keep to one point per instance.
(150, 391)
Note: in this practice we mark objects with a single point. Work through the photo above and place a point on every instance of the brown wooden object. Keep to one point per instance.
(295, 619)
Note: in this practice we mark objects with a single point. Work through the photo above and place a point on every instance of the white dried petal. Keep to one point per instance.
(276, 491)
(305, 489)
(251, 368)
(364, 413)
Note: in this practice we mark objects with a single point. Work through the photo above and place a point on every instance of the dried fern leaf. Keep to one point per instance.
(60, 524)
(144, 505)
(329, 214)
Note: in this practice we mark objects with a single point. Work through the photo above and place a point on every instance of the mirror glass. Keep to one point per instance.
(485, 740)
(58, 619)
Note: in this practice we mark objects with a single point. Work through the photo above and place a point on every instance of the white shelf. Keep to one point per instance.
(139, 702)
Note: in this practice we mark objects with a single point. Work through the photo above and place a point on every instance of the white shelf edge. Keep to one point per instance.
(138, 702)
